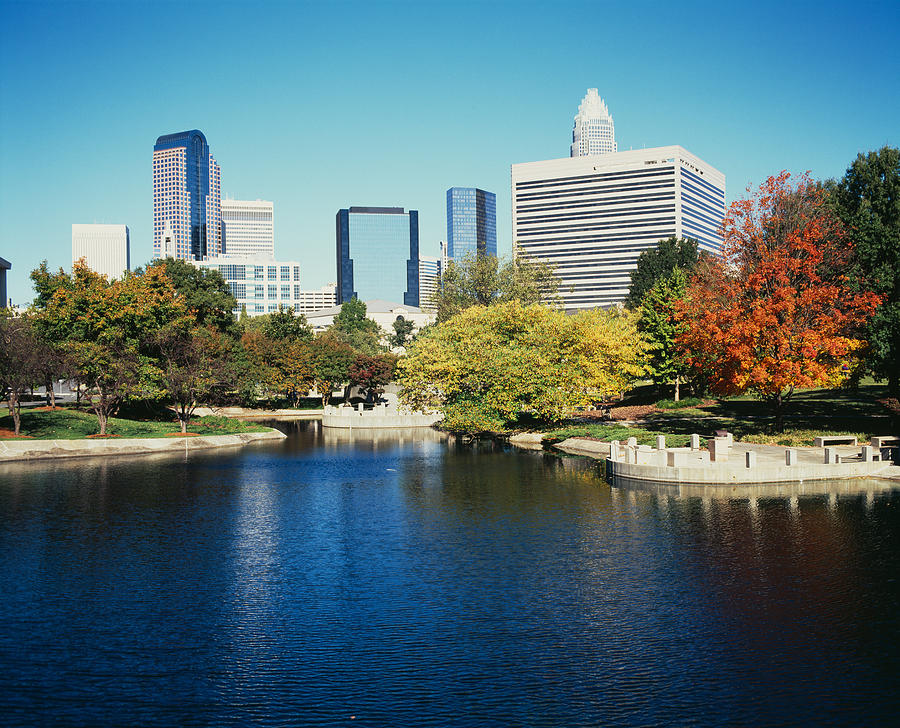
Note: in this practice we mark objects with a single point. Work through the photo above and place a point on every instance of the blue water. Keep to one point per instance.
(335, 579)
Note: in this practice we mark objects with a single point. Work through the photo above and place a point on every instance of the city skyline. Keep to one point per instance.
(311, 153)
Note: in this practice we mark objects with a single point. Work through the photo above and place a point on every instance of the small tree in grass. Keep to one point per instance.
(331, 359)
(20, 363)
(372, 372)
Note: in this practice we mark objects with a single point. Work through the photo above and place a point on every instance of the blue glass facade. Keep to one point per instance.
(471, 222)
(204, 232)
(377, 254)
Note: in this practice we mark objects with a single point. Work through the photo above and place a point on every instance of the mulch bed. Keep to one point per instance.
(94, 437)
(7, 434)
(182, 434)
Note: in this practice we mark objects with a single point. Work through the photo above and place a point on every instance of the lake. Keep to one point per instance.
(399, 579)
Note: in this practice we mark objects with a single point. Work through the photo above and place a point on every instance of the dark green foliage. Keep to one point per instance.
(204, 293)
(868, 202)
(483, 280)
(658, 263)
(403, 330)
(285, 325)
(356, 330)
(686, 403)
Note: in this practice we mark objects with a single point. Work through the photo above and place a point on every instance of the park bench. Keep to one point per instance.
(882, 441)
(834, 440)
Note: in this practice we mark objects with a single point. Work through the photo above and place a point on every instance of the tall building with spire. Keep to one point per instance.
(594, 131)
(187, 198)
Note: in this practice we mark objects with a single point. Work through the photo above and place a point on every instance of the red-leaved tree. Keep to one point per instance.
(775, 311)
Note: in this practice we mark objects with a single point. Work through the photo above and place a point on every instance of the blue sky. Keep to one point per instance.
(319, 106)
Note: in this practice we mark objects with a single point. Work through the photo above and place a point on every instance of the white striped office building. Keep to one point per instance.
(591, 217)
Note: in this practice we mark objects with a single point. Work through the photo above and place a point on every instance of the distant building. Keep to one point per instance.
(312, 301)
(105, 248)
(429, 276)
(378, 254)
(248, 228)
(383, 313)
(594, 131)
(471, 222)
(186, 198)
(5, 265)
(591, 217)
(260, 284)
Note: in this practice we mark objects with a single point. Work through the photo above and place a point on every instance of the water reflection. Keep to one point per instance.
(408, 579)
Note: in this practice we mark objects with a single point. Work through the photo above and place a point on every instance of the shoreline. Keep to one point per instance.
(31, 450)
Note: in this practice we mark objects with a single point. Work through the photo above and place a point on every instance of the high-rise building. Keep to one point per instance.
(312, 301)
(471, 222)
(594, 131)
(105, 248)
(260, 284)
(591, 217)
(186, 197)
(429, 276)
(5, 265)
(377, 254)
(247, 227)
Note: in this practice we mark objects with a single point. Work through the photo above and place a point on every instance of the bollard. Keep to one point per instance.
(790, 457)
(831, 456)
(695, 442)
(750, 459)
(660, 442)
(674, 459)
(614, 451)
(632, 442)
(867, 454)
(718, 450)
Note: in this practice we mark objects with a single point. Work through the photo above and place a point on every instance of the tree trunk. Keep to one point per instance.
(677, 389)
(779, 413)
(52, 393)
(15, 412)
(101, 419)
(183, 422)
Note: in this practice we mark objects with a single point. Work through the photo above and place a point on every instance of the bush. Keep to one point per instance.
(670, 404)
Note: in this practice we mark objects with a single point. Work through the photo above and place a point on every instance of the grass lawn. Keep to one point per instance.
(72, 424)
(809, 413)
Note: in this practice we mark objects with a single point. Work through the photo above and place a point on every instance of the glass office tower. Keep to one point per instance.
(187, 198)
(378, 254)
(471, 222)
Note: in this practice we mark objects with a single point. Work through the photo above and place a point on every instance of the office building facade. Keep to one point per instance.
(5, 265)
(594, 131)
(591, 217)
(105, 248)
(186, 198)
(248, 228)
(377, 254)
(318, 300)
(471, 222)
(429, 277)
(260, 284)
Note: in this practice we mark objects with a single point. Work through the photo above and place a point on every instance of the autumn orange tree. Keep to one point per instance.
(776, 312)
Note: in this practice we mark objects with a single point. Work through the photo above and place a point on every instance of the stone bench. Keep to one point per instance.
(884, 441)
(834, 440)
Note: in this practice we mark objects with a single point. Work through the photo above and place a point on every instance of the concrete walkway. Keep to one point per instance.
(767, 463)
(19, 450)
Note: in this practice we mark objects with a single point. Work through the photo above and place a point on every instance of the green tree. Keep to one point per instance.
(355, 329)
(868, 202)
(204, 293)
(285, 325)
(20, 362)
(658, 324)
(489, 365)
(483, 280)
(660, 262)
(403, 329)
(331, 359)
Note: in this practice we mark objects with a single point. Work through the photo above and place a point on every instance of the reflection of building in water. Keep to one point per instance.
(376, 439)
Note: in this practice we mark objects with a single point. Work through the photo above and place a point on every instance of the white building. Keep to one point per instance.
(429, 276)
(594, 131)
(248, 228)
(260, 284)
(591, 217)
(313, 301)
(105, 248)
(383, 313)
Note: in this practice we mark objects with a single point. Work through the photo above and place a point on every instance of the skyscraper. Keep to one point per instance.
(378, 254)
(186, 197)
(594, 131)
(429, 276)
(105, 248)
(591, 217)
(471, 222)
(247, 228)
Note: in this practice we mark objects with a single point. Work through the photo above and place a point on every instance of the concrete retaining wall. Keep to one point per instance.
(380, 417)
(11, 450)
